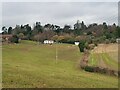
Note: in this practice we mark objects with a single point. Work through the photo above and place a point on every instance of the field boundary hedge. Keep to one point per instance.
(84, 65)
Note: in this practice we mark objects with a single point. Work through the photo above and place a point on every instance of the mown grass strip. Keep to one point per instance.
(109, 62)
(93, 60)
(112, 61)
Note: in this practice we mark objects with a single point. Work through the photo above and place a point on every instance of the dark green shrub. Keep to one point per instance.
(14, 39)
(96, 44)
(89, 33)
(113, 40)
(89, 69)
(86, 45)
(81, 46)
(107, 41)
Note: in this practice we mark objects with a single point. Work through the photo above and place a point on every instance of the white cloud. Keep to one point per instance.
(59, 13)
(60, 0)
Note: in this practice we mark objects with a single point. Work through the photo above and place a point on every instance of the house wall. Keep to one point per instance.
(48, 42)
(76, 43)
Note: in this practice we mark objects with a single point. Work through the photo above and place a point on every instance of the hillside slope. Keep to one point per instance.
(30, 65)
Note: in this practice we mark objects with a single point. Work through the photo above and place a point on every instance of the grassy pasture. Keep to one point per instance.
(34, 66)
(105, 55)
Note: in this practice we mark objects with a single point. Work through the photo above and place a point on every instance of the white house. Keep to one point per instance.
(48, 42)
(77, 43)
(118, 40)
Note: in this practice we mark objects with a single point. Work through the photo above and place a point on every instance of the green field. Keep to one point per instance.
(34, 66)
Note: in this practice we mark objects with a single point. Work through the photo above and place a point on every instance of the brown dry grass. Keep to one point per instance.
(107, 55)
(106, 48)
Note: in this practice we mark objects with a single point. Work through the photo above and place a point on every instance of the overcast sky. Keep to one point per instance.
(59, 13)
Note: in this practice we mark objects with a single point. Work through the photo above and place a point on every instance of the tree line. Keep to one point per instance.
(93, 33)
